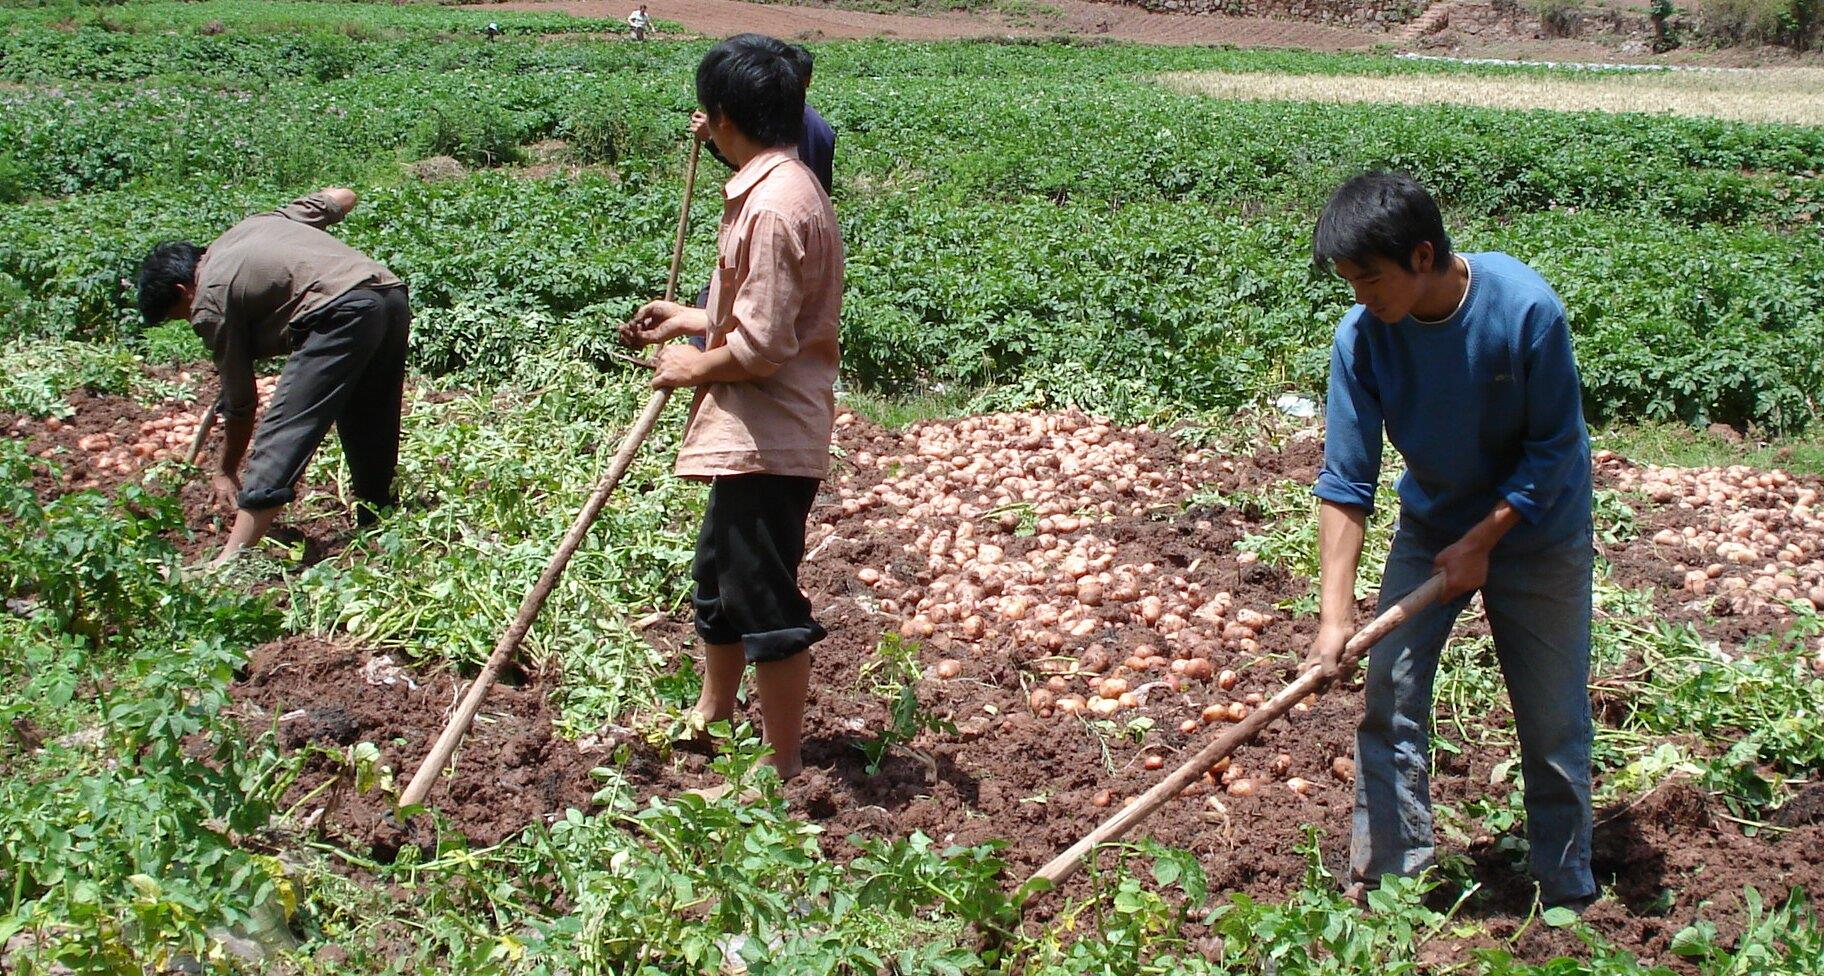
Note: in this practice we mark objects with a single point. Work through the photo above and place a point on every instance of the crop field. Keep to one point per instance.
(1067, 537)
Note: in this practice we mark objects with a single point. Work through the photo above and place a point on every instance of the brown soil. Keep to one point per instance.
(510, 771)
(1129, 23)
(1031, 781)
(1006, 773)
(721, 18)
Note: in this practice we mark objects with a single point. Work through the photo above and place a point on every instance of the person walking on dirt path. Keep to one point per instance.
(760, 424)
(278, 283)
(1464, 360)
(641, 22)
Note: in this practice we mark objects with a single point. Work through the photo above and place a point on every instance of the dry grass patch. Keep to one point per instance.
(1794, 95)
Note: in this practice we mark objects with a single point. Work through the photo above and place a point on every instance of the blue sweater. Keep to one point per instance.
(1483, 406)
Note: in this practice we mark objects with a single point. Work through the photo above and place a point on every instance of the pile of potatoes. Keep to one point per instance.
(1064, 592)
(1752, 538)
(126, 450)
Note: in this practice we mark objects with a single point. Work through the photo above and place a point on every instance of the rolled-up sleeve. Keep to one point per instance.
(1556, 439)
(1352, 425)
(763, 328)
(315, 209)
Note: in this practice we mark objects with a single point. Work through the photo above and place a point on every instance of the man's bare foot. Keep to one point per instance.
(787, 771)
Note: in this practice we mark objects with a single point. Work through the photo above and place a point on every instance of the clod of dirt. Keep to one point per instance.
(1806, 808)
(436, 169)
(548, 151)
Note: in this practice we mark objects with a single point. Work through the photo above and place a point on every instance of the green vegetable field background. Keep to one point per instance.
(1031, 226)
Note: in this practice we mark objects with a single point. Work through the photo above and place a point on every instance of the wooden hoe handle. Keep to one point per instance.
(534, 601)
(1237, 735)
(203, 428)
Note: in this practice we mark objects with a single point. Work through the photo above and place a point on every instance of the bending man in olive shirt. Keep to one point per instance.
(278, 283)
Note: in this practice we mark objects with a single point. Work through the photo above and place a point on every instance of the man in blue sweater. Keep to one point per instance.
(1464, 360)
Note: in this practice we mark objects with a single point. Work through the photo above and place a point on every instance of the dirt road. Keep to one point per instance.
(1075, 17)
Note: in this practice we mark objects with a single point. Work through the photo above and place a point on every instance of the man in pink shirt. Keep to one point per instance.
(765, 403)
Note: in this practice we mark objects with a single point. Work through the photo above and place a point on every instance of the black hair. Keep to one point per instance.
(1379, 213)
(166, 266)
(804, 61)
(753, 81)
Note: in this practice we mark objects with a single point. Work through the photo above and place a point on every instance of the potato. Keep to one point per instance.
(949, 668)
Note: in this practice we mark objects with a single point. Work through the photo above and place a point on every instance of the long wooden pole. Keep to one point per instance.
(1237, 735)
(534, 601)
(203, 427)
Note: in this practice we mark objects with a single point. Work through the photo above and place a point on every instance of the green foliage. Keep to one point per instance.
(492, 483)
(895, 674)
(36, 375)
(1786, 940)
(1158, 269)
(1316, 931)
(475, 131)
(124, 856)
(1799, 23)
(87, 561)
(1761, 706)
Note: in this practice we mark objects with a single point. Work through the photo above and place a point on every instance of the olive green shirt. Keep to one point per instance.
(266, 273)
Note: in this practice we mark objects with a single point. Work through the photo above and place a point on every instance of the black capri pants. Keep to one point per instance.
(746, 567)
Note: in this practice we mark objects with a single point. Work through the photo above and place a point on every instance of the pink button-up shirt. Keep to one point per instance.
(775, 303)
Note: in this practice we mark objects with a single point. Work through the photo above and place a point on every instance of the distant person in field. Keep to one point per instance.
(641, 22)
(1464, 362)
(816, 146)
(764, 407)
(278, 284)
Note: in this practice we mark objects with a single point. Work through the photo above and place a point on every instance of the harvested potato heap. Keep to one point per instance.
(1010, 514)
(166, 436)
(1751, 537)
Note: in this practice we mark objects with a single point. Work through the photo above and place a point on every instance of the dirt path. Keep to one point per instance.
(1077, 17)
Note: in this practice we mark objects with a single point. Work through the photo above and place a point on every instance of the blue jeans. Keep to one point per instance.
(1538, 606)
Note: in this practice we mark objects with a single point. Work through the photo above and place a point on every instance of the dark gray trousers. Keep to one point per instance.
(347, 367)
